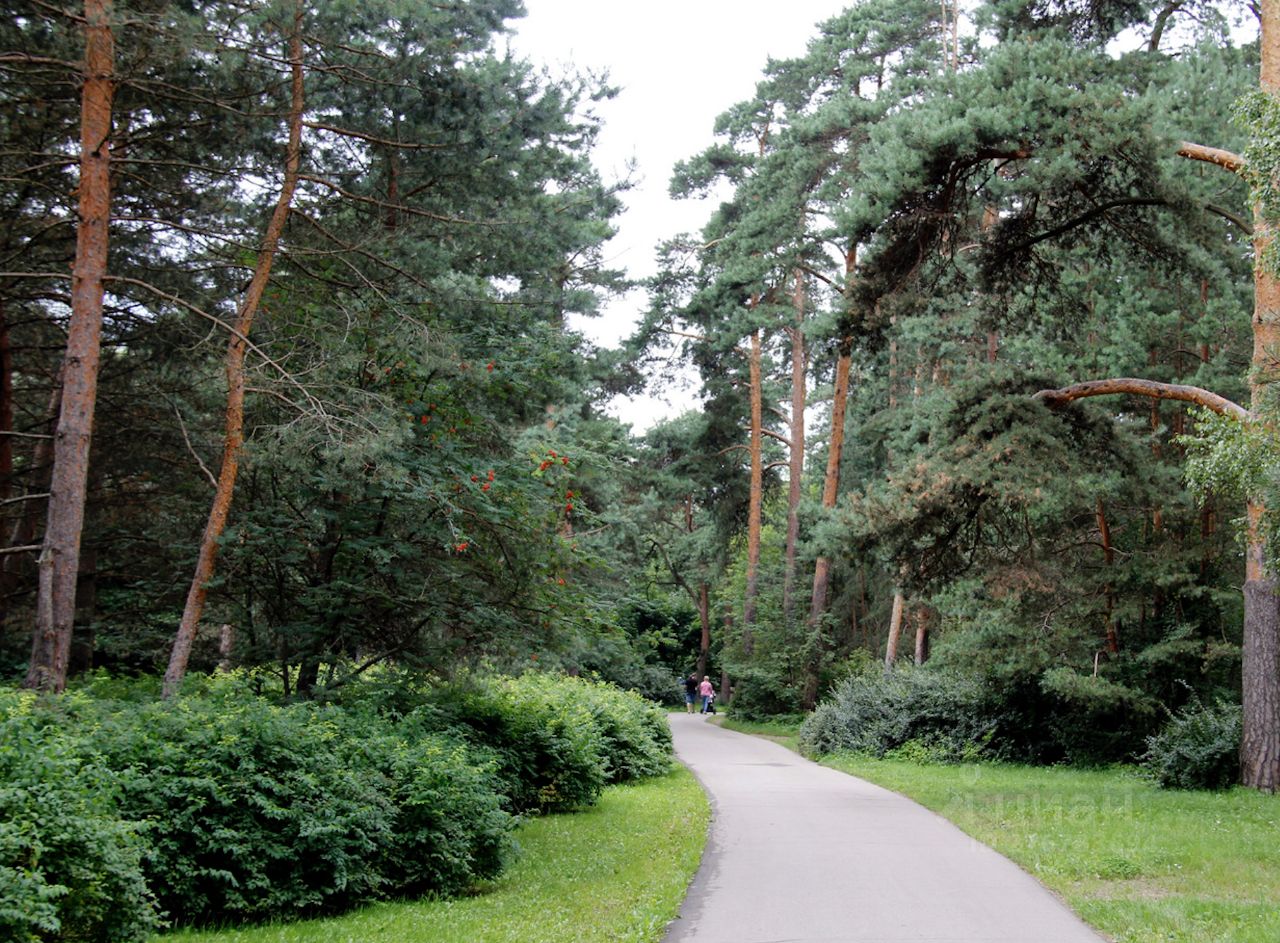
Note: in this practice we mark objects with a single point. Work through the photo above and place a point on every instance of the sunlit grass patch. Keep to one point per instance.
(616, 872)
(1137, 862)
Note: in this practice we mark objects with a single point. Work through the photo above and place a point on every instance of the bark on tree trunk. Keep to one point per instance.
(233, 439)
(1260, 743)
(6, 408)
(1109, 557)
(831, 481)
(226, 646)
(60, 555)
(704, 618)
(830, 489)
(756, 501)
(799, 369)
(895, 631)
(923, 618)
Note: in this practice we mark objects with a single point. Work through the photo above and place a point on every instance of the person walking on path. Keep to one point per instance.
(690, 691)
(708, 692)
(803, 853)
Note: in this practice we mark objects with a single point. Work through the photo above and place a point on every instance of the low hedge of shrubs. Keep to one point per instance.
(943, 714)
(120, 813)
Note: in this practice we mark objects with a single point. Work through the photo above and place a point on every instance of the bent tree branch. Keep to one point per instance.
(1149, 388)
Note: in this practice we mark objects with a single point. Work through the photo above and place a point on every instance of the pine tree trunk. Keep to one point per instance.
(923, 621)
(704, 619)
(830, 490)
(799, 395)
(756, 501)
(233, 439)
(1260, 743)
(831, 480)
(60, 555)
(1109, 558)
(895, 632)
(6, 408)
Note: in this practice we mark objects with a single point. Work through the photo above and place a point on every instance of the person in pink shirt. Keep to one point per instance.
(708, 692)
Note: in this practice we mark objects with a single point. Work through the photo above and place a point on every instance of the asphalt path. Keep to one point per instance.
(799, 853)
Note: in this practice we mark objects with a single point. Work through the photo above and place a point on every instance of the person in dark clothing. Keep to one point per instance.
(690, 691)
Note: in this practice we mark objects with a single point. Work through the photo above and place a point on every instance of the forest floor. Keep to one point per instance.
(1137, 862)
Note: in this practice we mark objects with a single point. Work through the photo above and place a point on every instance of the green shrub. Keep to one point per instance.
(1198, 749)
(874, 713)
(253, 812)
(261, 810)
(635, 738)
(70, 866)
(449, 828)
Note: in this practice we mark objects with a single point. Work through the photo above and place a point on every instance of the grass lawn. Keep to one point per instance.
(616, 872)
(785, 732)
(1137, 862)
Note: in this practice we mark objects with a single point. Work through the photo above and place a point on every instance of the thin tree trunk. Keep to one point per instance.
(60, 555)
(1109, 557)
(923, 619)
(6, 408)
(799, 369)
(704, 620)
(233, 440)
(830, 490)
(895, 632)
(756, 500)
(831, 480)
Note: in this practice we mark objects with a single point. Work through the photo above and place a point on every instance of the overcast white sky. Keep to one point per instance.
(679, 64)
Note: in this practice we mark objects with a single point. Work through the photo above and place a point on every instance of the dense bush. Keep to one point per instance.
(1198, 749)
(253, 812)
(875, 712)
(548, 750)
(555, 741)
(249, 809)
(70, 866)
(635, 738)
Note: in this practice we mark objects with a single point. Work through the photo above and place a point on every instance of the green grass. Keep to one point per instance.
(616, 872)
(780, 731)
(1137, 862)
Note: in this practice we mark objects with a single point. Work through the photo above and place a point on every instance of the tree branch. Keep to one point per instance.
(372, 139)
(1212, 155)
(1149, 388)
(775, 435)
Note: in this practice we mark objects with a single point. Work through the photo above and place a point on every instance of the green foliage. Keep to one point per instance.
(1227, 457)
(635, 738)
(615, 872)
(259, 810)
(944, 714)
(249, 810)
(1199, 748)
(71, 864)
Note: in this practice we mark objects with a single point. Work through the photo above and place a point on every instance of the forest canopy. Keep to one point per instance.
(985, 324)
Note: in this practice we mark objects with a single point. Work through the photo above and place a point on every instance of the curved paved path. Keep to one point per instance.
(800, 853)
